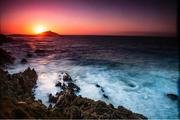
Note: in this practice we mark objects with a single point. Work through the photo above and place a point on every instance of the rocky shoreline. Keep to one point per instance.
(17, 98)
(17, 101)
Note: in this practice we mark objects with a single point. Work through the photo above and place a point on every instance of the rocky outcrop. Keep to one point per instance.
(17, 85)
(17, 101)
(6, 57)
(78, 107)
(16, 98)
(172, 96)
(5, 39)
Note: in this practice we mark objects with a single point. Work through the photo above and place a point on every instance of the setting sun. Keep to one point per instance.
(39, 29)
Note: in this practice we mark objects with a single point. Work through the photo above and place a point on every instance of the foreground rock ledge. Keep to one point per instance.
(17, 101)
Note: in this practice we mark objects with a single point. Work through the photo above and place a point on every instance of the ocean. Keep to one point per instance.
(135, 72)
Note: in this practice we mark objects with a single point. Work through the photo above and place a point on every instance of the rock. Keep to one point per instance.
(27, 79)
(6, 58)
(53, 99)
(23, 61)
(50, 107)
(105, 96)
(65, 76)
(58, 84)
(111, 105)
(40, 51)
(74, 87)
(102, 90)
(73, 112)
(18, 102)
(172, 96)
(97, 85)
(5, 39)
(29, 55)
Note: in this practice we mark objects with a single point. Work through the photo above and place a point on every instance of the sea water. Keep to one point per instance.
(135, 73)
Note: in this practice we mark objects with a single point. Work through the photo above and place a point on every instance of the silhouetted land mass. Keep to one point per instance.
(46, 33)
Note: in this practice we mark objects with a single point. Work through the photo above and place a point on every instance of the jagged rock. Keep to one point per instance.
(65, 76)
(172, 96)
(52, 98)
(74, 87)
(17, 102)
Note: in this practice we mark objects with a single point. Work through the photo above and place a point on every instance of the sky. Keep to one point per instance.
(90, 17)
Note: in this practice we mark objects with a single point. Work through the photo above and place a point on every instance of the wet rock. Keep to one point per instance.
(111, 105)
(23, 61)
(97, 85)
(6, 57)
(61, 85)
(105, 96)
(172, 96)
(102, 90)
(52, 99)
(50, 107)
(74, 87)
(58, 84)
(65, 76)
(16, 101)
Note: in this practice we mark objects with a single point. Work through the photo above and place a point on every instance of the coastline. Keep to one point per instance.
(17, 101)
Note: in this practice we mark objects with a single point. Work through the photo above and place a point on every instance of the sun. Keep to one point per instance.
(39, 29)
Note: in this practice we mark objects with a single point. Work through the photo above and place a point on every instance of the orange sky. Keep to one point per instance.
(82, 18)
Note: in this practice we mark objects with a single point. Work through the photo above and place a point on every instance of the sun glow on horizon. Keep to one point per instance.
(39, 29)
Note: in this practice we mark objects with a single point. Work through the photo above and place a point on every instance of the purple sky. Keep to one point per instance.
(99, 17)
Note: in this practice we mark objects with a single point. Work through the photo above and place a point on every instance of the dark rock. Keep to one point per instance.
(111, 105)
(40, 51)
(131, 85)
(73, 112)
(105, 96)
(102, 90)
(52, 99)
(58, 84)
(65, 76)
(97, 85)
(27, 80)
(6, 58)
(50, 107)
(29, 55)
(172, 96)
(74, 87)
(100, 107)
(23, 61)
(17, 101)
(5, 39)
